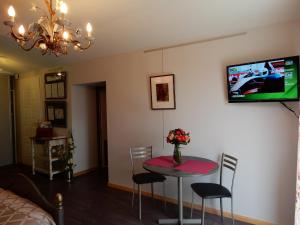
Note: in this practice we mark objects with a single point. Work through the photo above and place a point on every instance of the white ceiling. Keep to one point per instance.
(129, 25)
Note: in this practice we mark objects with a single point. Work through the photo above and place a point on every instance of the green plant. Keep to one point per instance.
(68, 155)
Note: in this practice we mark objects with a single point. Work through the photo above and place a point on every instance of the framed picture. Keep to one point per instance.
(162, 89)
(55, 85)
(56, 113)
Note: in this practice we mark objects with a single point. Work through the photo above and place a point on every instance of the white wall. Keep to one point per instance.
(262, 135)
(297, 39)
(84, 123)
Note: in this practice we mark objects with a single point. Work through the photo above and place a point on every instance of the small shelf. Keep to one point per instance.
(41, 170)
(55, 159)
(49, 161)
(57, 171)
(45, 158)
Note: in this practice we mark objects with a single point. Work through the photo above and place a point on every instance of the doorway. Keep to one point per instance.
(89, 127)
(102, 130)
(7, 120)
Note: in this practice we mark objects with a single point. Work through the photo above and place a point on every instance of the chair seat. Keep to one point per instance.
(146, 178)
(210, 190)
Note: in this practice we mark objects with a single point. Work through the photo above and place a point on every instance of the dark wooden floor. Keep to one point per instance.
(88, 201)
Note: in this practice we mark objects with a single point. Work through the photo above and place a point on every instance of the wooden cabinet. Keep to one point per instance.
(47, 155)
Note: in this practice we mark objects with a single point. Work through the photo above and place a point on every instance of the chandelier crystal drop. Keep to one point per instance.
(52, 33)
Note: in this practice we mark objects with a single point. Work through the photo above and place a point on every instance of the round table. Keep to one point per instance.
(175, 172)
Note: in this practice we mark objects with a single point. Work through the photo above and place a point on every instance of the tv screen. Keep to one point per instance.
(268, 80)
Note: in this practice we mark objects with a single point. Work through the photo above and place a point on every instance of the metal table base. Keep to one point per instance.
(180, 220)
(179, 175)
(176, 221)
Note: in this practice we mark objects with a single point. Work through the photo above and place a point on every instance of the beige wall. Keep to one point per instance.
(6, 151)
(262, 135)
(29, 111)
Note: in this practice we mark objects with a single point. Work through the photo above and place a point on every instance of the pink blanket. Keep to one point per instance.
(15, 210)
(188, 166)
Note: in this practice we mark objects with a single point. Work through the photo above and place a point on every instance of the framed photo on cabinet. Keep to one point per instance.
(162, 90)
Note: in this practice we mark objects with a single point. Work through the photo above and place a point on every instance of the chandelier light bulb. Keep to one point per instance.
(77, 47)
(21, 30)
(65, 35)
(43, 46)
(89, 29)
(57, 5)
(63, 8)
(11, 12)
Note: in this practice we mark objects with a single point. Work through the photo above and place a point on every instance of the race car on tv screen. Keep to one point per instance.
(262, 82)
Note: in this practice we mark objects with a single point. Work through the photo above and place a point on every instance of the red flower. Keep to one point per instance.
(178, 137)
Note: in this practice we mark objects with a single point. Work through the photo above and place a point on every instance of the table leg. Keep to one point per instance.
(180, 207)
(180, 220)
(33, 156)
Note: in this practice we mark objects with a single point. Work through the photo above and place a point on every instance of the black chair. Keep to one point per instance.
(139, 176)
(212, 190)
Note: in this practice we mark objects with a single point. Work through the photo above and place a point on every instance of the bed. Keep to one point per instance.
(22, 203)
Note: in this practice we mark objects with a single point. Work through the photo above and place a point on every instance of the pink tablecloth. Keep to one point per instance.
(188, 166)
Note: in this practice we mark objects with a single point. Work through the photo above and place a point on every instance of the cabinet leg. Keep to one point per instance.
(50, 161)
(33, 156)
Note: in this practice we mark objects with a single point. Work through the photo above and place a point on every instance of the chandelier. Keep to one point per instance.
(52, 33)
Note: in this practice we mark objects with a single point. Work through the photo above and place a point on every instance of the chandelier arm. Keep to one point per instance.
(35, 8)
(32, 46)
(75, 43)
(44, 52)
(16, 37)
(20, 37)
(49, 5)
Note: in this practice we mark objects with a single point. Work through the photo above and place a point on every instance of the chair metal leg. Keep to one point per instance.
(164, 194)
(203, 211)
(133, 193)
(221, 208)
(232, 211)
(140, 201)
(152, 191)
(192, 206)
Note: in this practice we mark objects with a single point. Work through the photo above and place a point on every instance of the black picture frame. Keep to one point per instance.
(55, 85)
(56, 113)
(162, 91)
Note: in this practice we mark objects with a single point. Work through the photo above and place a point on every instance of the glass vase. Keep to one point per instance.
(177, 155)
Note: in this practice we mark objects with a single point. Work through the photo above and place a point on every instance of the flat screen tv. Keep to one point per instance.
(267, 80)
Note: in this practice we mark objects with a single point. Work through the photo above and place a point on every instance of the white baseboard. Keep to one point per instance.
(196, 206)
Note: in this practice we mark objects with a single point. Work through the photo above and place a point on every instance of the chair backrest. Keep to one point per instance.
(230, 163)
(137, 156)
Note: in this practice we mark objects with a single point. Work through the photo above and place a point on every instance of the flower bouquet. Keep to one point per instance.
(178, 137)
